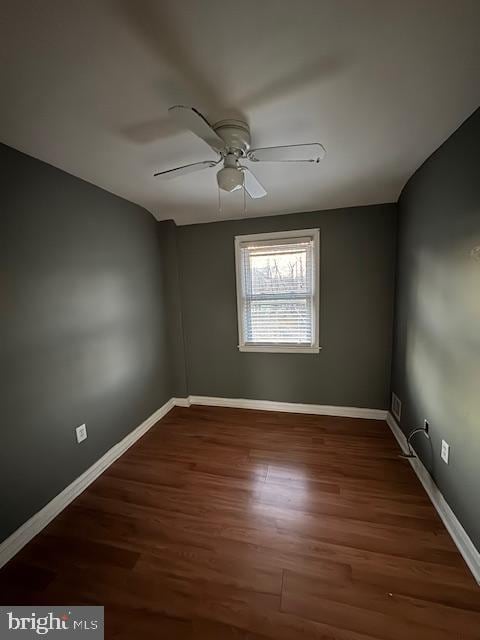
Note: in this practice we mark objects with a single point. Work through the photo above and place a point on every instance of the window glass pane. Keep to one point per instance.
(282, 272)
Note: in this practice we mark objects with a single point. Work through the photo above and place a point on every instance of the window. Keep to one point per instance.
(278, 291)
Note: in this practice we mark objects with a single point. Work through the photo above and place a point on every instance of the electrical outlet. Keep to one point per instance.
(445, 451)
(396, 406)
(81, 433)
(426, 426)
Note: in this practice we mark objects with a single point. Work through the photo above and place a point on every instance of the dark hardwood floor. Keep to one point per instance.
(226, 524)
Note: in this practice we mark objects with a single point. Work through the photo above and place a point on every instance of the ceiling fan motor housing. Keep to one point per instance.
(235, 134)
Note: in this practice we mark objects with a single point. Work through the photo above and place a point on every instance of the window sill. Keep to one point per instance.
(274, 348)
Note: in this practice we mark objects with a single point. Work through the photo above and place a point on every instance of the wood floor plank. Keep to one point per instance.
(311, 599)
(235, 524)
(301, 592)
(212, 566)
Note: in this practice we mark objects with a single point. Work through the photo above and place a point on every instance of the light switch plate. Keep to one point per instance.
(445, 451)
(81, 433)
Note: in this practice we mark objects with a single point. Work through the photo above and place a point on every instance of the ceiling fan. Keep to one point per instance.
(230, 139)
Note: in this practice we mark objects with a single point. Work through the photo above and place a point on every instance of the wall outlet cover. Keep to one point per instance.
(445, 451)
(81, 433)
(396, 406)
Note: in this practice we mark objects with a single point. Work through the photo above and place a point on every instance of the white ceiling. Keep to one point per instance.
(381, 83)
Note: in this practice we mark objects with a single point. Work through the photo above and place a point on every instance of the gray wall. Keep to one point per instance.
(436, 362)
(357, 278)
(83, 328)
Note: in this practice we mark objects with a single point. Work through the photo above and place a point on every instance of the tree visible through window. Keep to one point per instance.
(277, 284)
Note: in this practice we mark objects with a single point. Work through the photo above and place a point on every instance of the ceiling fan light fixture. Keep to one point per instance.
(230, 179)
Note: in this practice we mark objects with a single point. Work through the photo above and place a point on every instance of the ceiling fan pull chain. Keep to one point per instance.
(219, 203)
(244, 203)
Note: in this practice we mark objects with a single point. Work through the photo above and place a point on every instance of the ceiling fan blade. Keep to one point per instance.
(251, 185)
(187, 168)
(289, 153)
(190, 118)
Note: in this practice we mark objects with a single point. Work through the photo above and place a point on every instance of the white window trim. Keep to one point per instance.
(278, 235)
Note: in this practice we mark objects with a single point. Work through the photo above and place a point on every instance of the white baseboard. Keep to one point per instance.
(469, 552)
(181, 402)
(292, 407)
(33, 526)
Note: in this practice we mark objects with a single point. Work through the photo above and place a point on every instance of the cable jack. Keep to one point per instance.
(410, 453)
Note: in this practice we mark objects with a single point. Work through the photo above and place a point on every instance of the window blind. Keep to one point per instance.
(278, 291)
